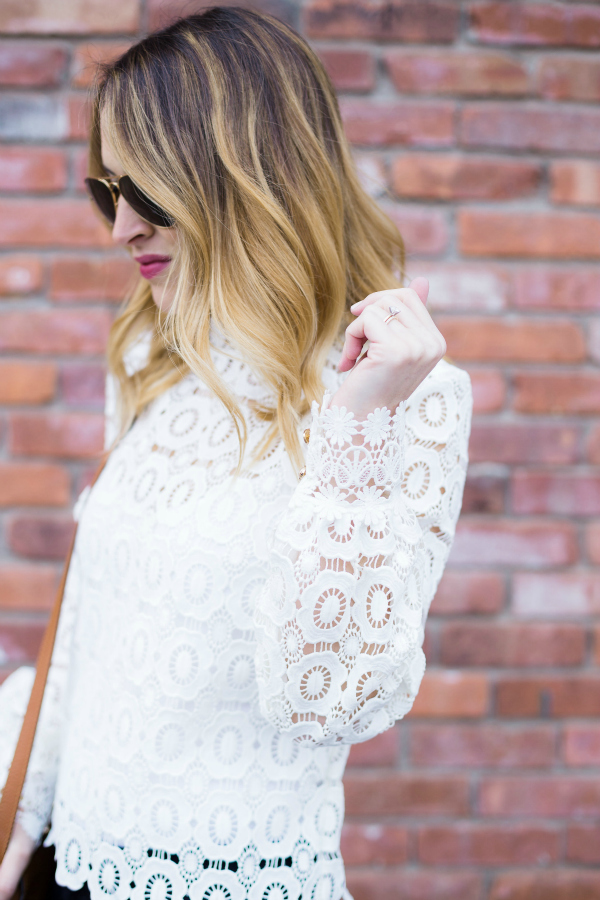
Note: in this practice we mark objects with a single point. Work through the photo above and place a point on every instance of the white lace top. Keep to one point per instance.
(223, 641)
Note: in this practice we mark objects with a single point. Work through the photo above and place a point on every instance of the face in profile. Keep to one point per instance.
(151, 246)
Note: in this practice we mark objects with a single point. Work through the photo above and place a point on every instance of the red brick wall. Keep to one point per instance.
(477, 126)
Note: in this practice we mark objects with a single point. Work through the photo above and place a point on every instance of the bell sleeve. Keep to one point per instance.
(355, 562)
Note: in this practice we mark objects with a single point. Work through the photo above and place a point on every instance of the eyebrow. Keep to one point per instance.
(107, 170)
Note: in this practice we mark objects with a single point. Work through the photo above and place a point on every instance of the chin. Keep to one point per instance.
(161, 299)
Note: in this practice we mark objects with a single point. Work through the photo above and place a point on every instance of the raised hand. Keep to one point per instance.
(401, 352)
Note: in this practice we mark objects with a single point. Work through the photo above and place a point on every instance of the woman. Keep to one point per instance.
(254, 566)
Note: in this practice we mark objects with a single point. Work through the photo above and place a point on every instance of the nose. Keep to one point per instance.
(128, 226)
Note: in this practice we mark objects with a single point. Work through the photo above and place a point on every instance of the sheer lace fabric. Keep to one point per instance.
(223, 641)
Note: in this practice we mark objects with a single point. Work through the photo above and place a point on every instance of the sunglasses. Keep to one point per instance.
(105, 193)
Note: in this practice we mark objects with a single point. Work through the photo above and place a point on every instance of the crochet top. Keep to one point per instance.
(224, 639)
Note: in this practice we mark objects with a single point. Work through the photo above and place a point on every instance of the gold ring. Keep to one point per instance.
(394, 310)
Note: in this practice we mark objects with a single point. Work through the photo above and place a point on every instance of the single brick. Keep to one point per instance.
(161, 14)
(468, 593)
(507, 542)
(382, 884)
(561, 696)
(69, 435)
(510, 443)
(25, 64)
(26, 382)
(27, 117)
(556, 392)
(541, 287)
(33, 484)
(398, 123)
(75, 278)
(551, 885)
(349, 70)
(576, 182)
(452, 176)
(532, 24)
(26, 588)
(569, 78)
(552, 235)
(530, 126)
(401, 20)
(49, 17)
(479, 746)
(450, 694)
(477, 844)
(55, 331)
(464, 286)
(565, 595)
(40, 537)
(566, 493)
(518, 340)
(34, 169)
(451, 72)
(47, 223)
(402, 794)
(540, 797)
(507, 645)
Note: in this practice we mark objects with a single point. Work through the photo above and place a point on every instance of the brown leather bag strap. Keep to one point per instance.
(18, 770)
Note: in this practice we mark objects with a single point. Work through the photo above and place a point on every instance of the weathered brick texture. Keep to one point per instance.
(476, 125)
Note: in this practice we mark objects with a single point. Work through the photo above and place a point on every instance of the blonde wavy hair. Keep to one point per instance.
(228, 121)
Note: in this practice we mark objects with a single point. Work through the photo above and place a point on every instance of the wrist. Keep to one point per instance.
(361, 410)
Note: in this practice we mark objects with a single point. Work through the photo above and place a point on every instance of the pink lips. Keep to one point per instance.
(151, 264)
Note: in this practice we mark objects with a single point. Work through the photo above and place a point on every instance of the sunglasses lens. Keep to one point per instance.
(143, 205)
(102, 197)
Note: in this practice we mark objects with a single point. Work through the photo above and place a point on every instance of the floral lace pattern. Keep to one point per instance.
(224, 640)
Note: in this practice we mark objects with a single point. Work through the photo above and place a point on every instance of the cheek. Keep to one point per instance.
(168, 239)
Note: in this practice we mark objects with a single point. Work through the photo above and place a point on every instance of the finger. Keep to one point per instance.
(370, 326)
(397, 296)
(360, 305)
(420, 286)
(408, 317)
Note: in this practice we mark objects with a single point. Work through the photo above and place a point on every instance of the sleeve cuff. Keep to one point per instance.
(353, 455)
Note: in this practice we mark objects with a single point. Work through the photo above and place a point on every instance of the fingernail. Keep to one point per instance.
(358, 302)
